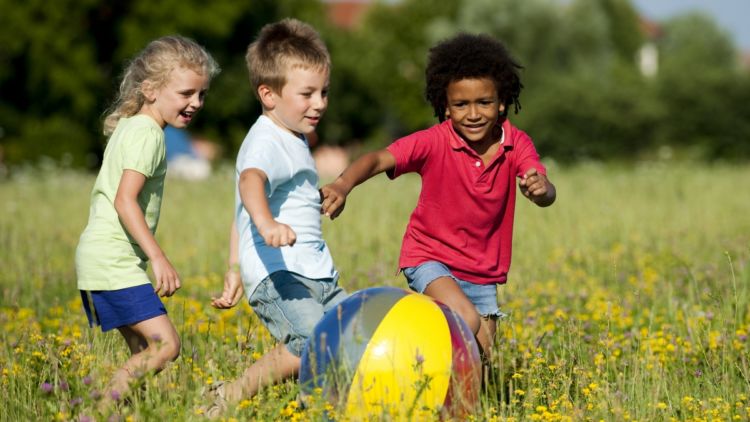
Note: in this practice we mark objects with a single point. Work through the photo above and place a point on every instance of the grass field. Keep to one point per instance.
(627, 299)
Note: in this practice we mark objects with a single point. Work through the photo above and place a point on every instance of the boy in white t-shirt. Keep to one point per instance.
(286, 268)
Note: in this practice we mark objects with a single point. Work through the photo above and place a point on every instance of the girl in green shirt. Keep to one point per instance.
(164, 84)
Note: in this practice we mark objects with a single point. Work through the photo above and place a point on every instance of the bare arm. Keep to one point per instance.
(252, 187)
(233, 289)
(334, 194)
(537, 188)
(131, 216)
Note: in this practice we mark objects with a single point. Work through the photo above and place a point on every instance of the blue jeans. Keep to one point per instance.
(483, 296)
(290, 306)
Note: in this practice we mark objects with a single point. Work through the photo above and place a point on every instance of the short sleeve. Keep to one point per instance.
(267, 154)
(411, 153)
(143, 150)
(527, 157)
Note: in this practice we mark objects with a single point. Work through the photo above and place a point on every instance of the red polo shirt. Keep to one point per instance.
(464, 216)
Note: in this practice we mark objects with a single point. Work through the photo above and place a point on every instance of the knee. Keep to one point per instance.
(168, 349)
(470, 316)
(173, 350)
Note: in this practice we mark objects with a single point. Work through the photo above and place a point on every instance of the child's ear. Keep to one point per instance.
(267, 96)
(501, 109)
(149, 90)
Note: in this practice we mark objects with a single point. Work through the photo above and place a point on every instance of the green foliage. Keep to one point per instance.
(584, 96)
(49, 79)
(702, 89)
(612, 117)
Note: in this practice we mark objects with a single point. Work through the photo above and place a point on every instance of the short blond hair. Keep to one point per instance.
(282, 46)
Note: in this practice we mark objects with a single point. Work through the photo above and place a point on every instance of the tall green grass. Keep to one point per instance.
(627, 299)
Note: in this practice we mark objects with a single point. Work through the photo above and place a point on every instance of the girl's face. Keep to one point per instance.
(301, 103)
(177, 101)
(473, 108)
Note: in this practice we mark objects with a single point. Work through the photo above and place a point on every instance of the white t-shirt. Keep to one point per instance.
(293, 198)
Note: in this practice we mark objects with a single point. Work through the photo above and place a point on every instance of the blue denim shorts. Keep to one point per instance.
(483, 296)
(290, 305)
(116, 308)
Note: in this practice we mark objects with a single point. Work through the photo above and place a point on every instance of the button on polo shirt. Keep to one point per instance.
(464, 215)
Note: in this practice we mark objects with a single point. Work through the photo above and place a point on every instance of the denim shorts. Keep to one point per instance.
(483, 296)
(117, 308)
(290, 305)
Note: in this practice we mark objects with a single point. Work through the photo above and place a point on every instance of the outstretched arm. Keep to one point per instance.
(131, 216)
(537, 188)
(252, 187)
(334, 194)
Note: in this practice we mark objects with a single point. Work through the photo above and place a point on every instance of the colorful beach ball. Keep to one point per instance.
(389, 351)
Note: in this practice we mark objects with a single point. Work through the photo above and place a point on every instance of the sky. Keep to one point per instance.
(732, 15)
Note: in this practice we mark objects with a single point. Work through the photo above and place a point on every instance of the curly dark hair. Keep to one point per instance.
(471, 56)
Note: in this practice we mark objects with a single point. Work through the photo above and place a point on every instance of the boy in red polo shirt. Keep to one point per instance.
(457, 246)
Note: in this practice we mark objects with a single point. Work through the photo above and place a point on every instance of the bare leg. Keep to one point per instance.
(446, 290)
(135, 342)
(276, 365)
(486, 336)
(152, 343)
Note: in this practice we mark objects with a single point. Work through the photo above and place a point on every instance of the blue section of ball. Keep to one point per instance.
(332, 353)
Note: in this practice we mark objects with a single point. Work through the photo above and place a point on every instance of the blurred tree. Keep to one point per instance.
(63, 60)
(623, 28)
(386, 60)
(50, 79)
(698, 81)
(583, 96)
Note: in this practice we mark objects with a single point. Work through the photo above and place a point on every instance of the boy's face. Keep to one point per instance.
(302, 101)
(474, 107)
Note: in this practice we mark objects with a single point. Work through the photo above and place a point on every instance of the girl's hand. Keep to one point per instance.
(276, 234)
(233, 291)
(167, 280)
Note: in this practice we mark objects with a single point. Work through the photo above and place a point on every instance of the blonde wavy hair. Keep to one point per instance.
(155, 64)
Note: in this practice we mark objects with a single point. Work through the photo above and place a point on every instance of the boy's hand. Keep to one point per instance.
(233, 291)
(276, 234)
(537, 188)
(333, 199)
(167, 280)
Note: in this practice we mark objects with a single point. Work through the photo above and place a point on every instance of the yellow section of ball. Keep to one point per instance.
(407, 363)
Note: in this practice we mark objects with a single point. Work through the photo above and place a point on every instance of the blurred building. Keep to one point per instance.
(346, 14)
(648, 54)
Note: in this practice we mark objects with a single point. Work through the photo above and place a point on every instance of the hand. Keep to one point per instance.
(533, 184)
(277, 234)
(333, 199)
(233, 291)
(167, 280)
